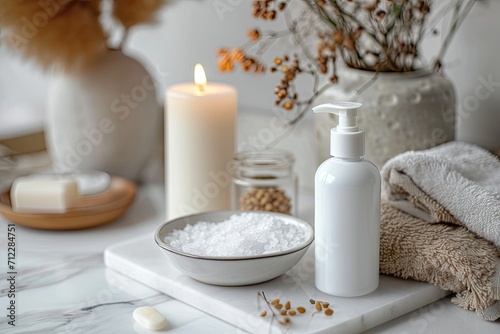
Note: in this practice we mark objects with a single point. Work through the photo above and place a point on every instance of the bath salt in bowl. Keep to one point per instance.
(234, 247)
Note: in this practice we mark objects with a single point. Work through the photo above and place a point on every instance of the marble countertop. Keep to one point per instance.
(62, 285)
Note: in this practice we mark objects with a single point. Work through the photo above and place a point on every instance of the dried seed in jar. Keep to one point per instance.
(278, 306)
(287, 305)
(276, 301)
(301, 309)
(263, 313)
(328, 311)
(284, 312)
(312, 301)
(318, 306)
(292, 312)
(325, 304)
(266, 199)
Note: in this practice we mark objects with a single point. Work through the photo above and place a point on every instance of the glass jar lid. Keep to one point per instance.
(270, 164)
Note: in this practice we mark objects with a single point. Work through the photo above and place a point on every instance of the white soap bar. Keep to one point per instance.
(150, 318)
(31, 194)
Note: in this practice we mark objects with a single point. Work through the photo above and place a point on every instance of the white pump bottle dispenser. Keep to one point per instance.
(347, 210)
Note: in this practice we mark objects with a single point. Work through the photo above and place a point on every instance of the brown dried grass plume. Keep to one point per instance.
(66, 34)
(131, 13)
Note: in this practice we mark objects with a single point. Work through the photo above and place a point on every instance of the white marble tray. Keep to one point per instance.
(142, 260)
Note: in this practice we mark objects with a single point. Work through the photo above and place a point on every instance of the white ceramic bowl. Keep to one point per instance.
(232, 271)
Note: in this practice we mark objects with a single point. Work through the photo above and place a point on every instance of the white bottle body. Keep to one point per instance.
(347, 227)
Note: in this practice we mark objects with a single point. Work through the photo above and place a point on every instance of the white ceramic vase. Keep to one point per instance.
(401, 111)
(105, 118)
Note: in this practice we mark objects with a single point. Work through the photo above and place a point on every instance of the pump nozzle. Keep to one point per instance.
(347, 112)
(347, 140)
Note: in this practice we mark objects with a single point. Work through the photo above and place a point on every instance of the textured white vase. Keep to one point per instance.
(401, 111)
(105, 118)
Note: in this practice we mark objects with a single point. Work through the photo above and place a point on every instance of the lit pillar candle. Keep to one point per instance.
(200, 122)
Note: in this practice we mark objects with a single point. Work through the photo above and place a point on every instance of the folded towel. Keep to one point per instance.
(457, 183)
(443, 254)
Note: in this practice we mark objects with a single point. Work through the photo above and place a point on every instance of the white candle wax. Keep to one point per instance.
(200, 137)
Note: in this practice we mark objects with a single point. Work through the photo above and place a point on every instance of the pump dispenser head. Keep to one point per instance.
(347, 140)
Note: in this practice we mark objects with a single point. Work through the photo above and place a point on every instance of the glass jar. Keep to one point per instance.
(265, 181)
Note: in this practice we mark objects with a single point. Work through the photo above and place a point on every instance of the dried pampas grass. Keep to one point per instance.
(131, 13)
(63, 33)
(66, 34)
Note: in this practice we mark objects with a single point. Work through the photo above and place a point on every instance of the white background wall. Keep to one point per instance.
(473, 57)
(190, 31)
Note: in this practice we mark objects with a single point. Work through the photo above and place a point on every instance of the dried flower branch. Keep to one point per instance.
(378, 36)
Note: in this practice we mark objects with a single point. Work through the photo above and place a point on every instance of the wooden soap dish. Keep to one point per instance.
(89, 211)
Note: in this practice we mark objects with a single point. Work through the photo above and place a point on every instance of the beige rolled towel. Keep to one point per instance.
(443, 254)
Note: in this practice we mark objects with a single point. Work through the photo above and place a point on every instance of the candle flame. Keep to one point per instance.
(200, 78)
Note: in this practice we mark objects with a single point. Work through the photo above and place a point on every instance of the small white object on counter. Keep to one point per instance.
(43, 195)
(150, 318)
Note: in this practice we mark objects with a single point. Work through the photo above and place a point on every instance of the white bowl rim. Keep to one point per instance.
(299, 221)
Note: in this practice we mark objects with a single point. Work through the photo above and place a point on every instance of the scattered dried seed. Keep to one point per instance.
(286, 311)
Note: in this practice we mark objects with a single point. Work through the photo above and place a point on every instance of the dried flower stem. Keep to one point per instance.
(459, 14)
